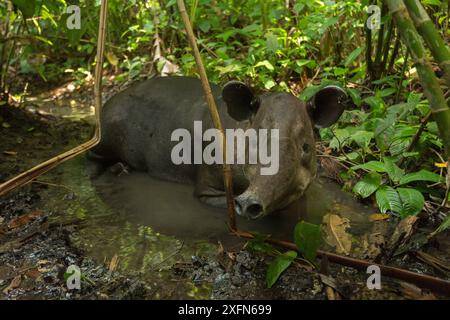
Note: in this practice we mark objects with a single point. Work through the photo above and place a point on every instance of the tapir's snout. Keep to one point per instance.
(249, 206)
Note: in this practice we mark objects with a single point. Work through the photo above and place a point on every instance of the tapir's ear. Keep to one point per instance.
(327, 105)
(241, 103)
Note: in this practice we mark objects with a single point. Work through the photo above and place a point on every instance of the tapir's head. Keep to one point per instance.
(295, 121)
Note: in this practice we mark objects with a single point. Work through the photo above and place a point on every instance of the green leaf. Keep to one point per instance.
(277, 267)
(362, 138)
(394, 172)
(422, 175)
(384, 131)
(353, 55)
(268, 84)
(307, 237)
(26, 7)
(385, 92)
(265, 64)
(412, 201)
(388, 199)
(404, 201)
(204, 25)
(228, 69)
(260, 246)
(371, 166)
(272, 44)
(443, 226)
(368, 185)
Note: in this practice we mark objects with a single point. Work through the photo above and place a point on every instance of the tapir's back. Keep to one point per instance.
(137, 123)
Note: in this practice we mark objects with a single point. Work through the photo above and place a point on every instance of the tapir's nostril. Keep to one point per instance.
(254, 210)
(248, 207)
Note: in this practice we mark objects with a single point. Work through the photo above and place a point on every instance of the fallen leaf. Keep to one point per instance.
(400, 237)
(15, 283)
(403, 231)
(379, 216)
(220, 249)
(24, 219)
(114, 263)
(336, 234)
(10, 153)
(33, 273)
(411, 291)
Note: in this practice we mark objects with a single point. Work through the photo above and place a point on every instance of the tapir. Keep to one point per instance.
(138, 122)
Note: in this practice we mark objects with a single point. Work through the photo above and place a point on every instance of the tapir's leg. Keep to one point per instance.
(209, 186)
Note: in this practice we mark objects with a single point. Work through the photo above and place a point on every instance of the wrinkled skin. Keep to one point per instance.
(137, 125)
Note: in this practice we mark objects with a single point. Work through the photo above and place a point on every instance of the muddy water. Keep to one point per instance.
(171, 208)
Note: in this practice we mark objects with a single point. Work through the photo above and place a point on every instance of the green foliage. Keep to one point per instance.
(308, 238)
(377, 143)
(368, 185)
(278, 266)
(404, 201)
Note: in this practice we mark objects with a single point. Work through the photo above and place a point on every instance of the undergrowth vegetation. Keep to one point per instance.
(387, 146)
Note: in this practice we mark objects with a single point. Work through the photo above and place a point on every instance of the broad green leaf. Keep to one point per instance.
(384, 131)
(355, 95)
(341, 138)
(371, 166)
(353, 55)
(388, 199)
(368, 185)
(277, 267)
(304, 62)
(394, 172)
(362, 138)
(204, 25)
(422, 175)
(268, 84)
(265, 64)
(412, 201)
(307, 237)
(309, 92)
(385, 92)
(228, 69)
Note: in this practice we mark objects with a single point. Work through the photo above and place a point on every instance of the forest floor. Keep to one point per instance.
(58, 221)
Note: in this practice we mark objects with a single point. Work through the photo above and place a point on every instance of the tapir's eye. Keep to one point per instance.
(306, 148)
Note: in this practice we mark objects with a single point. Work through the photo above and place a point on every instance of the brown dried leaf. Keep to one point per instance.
(33, 273)
(24, 219)
(114, 263)
(410, 291)
(336, 234)
(402, 232)
(15, 283)
(379, 216)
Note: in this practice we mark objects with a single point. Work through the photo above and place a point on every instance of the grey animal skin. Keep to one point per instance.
(138, 122)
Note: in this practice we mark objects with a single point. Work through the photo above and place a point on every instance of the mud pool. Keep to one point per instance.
(137, 237)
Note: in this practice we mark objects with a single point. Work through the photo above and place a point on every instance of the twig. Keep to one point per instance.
(228, 179)
(33, 173)
(52, 184)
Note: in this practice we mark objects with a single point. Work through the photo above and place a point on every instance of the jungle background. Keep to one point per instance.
(387, 150)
